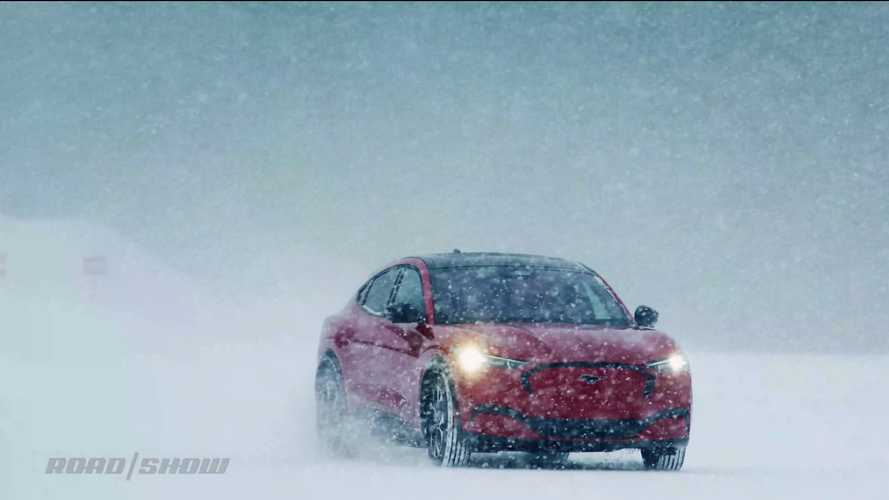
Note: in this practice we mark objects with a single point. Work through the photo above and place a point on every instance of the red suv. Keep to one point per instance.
(484, 352)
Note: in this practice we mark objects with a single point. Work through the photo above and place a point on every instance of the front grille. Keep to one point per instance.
(650, 377)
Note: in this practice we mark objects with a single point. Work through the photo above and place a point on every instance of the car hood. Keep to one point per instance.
(561, 343)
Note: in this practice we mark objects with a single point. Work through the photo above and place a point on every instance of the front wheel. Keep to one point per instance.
(670, 458)
(447, 444)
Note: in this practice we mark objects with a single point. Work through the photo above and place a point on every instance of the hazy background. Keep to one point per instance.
(244, 167)
(726, 164)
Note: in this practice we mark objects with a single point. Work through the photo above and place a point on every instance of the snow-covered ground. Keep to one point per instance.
(776, 426)
(101, 375)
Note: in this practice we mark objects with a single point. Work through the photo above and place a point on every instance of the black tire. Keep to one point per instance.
(330, 409)
(446, 442)
(663, 458)
(549, 458)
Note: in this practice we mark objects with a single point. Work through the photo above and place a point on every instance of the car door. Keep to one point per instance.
(350, 354)
(371, 331)
(402, 345)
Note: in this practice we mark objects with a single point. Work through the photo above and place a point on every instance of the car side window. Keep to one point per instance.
(410, 290)
(362, 292)
(380, 290)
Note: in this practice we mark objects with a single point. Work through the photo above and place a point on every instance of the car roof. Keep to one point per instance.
(474, 259)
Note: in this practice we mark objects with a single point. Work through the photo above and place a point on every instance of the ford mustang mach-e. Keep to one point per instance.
(483, 352)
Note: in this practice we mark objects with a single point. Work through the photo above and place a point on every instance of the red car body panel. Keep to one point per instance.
(383, 364)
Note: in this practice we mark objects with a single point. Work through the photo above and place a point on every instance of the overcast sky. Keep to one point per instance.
(727, 164)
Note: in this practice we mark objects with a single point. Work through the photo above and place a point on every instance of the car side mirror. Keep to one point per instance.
(404, 313)
(645, 316)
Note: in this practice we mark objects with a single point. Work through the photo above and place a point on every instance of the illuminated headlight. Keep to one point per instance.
(676, 363)
(472, 359)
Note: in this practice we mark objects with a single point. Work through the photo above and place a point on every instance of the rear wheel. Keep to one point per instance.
(446, 443)
(330, 408)
(670, 458)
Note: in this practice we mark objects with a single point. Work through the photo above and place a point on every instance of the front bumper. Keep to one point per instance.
(490, 444)
(503, 429)
(629, 408)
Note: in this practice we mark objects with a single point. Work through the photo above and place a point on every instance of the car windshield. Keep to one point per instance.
(521, 294)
